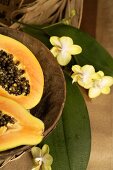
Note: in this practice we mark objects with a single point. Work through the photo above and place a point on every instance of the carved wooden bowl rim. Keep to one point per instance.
(54, 90)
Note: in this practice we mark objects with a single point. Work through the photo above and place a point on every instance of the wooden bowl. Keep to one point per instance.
(51, 105)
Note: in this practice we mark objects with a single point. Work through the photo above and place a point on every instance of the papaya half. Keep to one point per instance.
(17, 126)
(21, 76)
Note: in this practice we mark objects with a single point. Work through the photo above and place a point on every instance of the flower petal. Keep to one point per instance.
(100, 73)
(87, 73)
(55, 51)
(75, 49)
(74, 77)
(45, 149)
(36, 167)
(83, 75)
(46, 167)
(107, 81)
(48, 159)
(88, 84)
(88, 69)
(76, 69)
(94, 92)
(55, 41)
(36, 152)
(66, 42)
(105, 90)
(63, 58)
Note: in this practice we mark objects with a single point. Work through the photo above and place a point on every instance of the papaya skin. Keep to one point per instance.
(33, 72)
(27, 130)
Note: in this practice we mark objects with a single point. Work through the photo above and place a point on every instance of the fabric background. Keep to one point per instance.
(101, 110)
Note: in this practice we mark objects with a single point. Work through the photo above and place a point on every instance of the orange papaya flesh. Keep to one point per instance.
(20, 70)
(21, 128)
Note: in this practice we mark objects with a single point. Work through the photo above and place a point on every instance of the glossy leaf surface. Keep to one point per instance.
(70, 141)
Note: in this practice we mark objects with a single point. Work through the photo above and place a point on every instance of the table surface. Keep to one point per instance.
(98, 21)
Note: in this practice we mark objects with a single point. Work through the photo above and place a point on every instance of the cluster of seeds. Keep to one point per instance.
(11, 77)
(5, 119)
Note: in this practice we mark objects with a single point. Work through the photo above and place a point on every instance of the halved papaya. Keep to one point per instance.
(21, 76)
(17, 126)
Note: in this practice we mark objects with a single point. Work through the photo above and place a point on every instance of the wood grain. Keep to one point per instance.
(51, 105)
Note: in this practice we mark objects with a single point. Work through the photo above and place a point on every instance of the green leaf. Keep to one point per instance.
(93, 53)
(70, 142)
(36, 32)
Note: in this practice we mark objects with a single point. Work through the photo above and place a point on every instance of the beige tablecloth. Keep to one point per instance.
(101, 110)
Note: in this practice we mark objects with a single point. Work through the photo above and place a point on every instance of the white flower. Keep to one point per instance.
(63, 49)
(42, 158)
(96, 82)
(101, 85)
(83, 75)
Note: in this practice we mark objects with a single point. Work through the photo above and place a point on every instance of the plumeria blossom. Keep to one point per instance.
(100, 85)
(42, 158)
(63, 49)
(83, 75)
